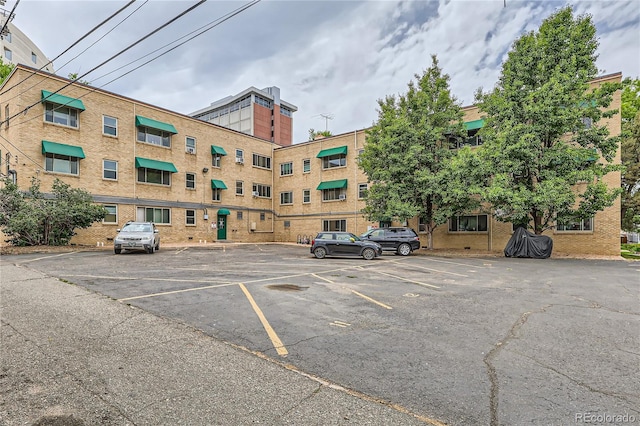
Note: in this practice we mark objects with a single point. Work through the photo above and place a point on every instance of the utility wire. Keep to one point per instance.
(6, 22)
(112, 57)
(212, 25)
(73, 45)
(96, 42)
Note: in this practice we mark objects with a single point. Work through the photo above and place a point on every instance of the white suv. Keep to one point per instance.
(137, 236)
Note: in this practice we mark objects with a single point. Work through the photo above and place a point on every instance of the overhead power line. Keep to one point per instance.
(73, 45)
(114, 56)
(9, 18)
(210, 26)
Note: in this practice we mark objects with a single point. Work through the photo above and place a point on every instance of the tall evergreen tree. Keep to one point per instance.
(630, 211)
(407, 157)
(543, 135)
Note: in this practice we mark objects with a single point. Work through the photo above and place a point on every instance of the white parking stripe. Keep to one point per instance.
(47, 257)
(405, 279)
(433, 270)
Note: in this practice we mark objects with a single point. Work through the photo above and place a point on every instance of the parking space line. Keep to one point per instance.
(433, 270)
(275, 340)
(372, 300)
(408, 280)
(322, 278)
(48, 257)
(164, 293)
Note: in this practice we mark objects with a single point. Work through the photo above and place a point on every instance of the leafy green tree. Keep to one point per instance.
(5, 70)
(74, 76)
(631, 154)
(407, 157)
(542, 136)
(31, 218)
(313, 134)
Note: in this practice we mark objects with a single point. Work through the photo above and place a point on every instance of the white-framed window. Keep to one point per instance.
(306, 165)
(112, 214)
(190, 144)
(8, 54)
(239, 215)
(286, 169)
(362, 190)
(339, 225)
(422, 224)
(587, 122)
(61, 115)
(154, 214)
(470, 223)
(306, 196)
(34, 58)
(216, 194)
(8, 38)
(216, 160)
(109, 126)
(263, 216)
(584, 225)
(239, 187)
(261, 190)
(190, 217)
(331, 161)
(261, 161)
(190, 180)
(109, 169)
(239, 156)
(160, 177)
(154, 136)
(62, 164)
(286, 197)
(334, 194)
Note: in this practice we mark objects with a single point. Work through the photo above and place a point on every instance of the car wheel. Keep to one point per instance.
(158, 246)
(404, 249)
(320, 252)
(368, 253)
(117, 251)
(151, 250)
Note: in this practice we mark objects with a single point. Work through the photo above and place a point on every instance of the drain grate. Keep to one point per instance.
(286, 287)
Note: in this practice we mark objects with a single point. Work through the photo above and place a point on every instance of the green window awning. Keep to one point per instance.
(62, 149)
(218, 184)
(332, 151)
(473, 125)
(224, 212)
(155, 124)
(155, 164)
(333, 184)
(217, 150)
(58, 99)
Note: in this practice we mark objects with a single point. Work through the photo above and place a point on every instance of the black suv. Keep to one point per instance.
(343, 244)
(401, 240)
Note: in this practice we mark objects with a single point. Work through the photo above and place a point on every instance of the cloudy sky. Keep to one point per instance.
(329, 58)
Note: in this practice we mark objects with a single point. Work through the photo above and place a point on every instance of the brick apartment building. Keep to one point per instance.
(199, 181)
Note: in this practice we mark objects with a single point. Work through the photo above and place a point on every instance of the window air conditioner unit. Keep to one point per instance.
(191, 150)
(255, 193)
(342, 197)
(239, 160)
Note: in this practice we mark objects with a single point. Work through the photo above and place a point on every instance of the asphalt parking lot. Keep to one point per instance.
(467, 341)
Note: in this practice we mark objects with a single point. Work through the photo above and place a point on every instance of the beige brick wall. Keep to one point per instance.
(262, 219)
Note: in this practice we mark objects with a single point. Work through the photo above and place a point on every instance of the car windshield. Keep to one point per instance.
(137, 227)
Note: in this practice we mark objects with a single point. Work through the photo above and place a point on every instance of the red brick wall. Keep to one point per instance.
(261, 122)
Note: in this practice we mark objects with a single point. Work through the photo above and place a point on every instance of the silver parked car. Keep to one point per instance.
(137, 236)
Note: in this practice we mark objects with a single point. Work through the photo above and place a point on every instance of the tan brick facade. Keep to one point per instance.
(250, 218)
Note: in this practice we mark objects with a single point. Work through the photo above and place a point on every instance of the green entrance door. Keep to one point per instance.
(222, 227)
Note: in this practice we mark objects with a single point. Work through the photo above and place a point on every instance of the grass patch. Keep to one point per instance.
(630, 251)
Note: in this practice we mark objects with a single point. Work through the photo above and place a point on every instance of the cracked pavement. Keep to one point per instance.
(466, 341)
